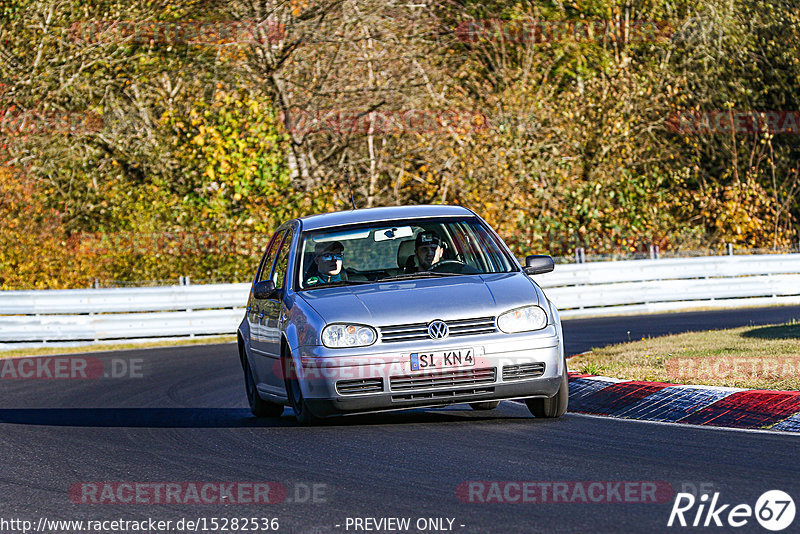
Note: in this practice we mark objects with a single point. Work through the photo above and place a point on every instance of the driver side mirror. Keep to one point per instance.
(538, 264)
(265, 290)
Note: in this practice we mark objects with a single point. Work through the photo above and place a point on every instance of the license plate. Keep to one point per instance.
(442, 359)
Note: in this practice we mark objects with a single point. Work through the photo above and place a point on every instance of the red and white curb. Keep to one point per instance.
(677, 403)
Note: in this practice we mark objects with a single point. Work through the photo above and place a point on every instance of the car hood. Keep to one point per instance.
(423, 300)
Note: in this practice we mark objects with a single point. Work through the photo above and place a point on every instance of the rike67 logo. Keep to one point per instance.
(774, 510)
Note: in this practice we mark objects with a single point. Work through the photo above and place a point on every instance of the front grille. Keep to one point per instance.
(417, 331)
(523, 371)
(358, 386)
(439, 395)
(463, 377)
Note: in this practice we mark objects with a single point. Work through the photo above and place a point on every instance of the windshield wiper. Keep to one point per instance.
(421, 274)
(338, 283)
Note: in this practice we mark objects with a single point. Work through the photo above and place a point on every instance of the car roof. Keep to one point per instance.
(342, 218)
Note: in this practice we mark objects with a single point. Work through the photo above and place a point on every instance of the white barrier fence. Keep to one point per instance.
(641, 286)
(95, 315)
(587, 289)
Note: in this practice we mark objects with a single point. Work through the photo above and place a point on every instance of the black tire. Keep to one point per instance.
(555, 406)
(295, 394)
(486, 405)
(258, 406)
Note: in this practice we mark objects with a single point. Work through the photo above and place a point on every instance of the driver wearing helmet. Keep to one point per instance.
(327, 264)
(427, 251)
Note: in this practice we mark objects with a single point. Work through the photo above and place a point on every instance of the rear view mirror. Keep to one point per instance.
(538, 264)
(393, 233)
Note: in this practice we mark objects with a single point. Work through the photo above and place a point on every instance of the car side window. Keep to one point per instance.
(266, 262)
(282, 263)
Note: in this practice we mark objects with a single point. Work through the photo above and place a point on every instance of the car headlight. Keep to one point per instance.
(522, 320)
(338, 336)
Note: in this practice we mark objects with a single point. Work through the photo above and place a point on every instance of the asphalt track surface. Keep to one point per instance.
(185, 419)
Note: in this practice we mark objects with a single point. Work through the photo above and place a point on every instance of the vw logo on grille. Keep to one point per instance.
(438, 329)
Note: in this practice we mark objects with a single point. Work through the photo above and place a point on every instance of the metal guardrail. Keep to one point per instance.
(641, 286)
(95, 315)
(587, 289)
(129, 299)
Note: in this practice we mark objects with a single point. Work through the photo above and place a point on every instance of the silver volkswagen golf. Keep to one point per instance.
(390, 308)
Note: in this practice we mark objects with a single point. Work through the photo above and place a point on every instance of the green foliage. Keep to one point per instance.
(233, 158)
(192, 167)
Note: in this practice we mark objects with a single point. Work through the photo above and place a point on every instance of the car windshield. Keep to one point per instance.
(399, 250)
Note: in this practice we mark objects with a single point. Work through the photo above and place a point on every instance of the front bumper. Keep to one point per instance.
(380, 378)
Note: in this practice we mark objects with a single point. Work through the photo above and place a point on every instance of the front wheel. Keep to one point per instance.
(258, 406)
(295, 394)
(555, 406)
